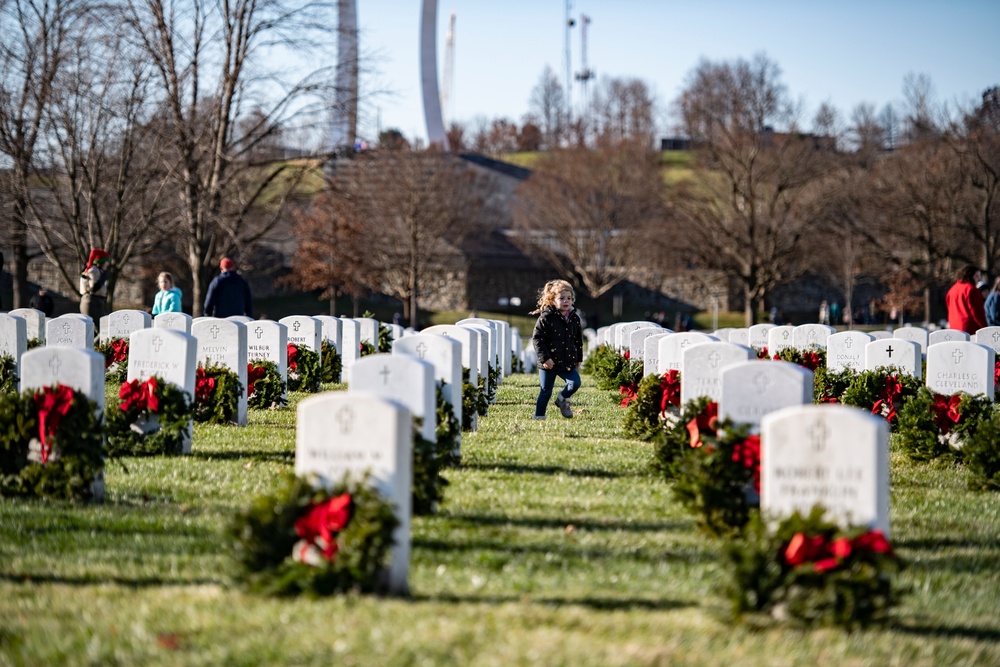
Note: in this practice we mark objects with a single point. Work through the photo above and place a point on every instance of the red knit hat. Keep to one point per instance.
(96, 255)
(227, 264)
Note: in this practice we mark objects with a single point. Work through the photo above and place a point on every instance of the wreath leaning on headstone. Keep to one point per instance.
(655, 407)
(265, 390)
(151, 418)
(449, 430)
(115, 353)
(809, 571)
(429, 459)
(217, 392)
(933, 425)
(8, 374)
(35, 342)
(304, 373)
(677, 437)
(883, 391)
(51, 444)
(307, 539)
(473, 401)
(332, 362)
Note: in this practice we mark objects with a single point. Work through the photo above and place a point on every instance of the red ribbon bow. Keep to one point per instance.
(671, 386)
(826, 555)
(703, 423)
(322, 522)
(887, 397)
(52, 403)
(204, 386)
(748, 453)
(139, 395)
(627, 355)
(254, 373)
(293, 354)
(629, 393)
(119, 352)
(946, 412)
(811, 360)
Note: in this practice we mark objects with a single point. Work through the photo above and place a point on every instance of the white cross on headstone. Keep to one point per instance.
(819, 433)
(947, 336)
(385, 374)
(849, 343)
(54, 366)
(66, 327)
(996, 336)
(761, 382)
(785, 334)
(811, 336)
(421, 350)
(260, 332)
(713, 359)
(125, 319)
(157, 343)
(296, 325)
(685, 342)
(346, 419)
(957, 356)
(214, 331)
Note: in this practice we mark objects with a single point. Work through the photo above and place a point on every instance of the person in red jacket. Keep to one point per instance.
(966, 308)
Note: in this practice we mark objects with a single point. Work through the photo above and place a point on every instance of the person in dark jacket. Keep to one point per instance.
(558, 340)
(993, 305)
(229, 293)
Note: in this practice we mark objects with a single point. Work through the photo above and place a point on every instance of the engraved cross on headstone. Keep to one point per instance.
(714, 358)
(785, 334)
(996, 336)
(685, 342)
(947, 336)
(260, 332)
(54, 366)
(421, 350)
(125, 319)
(812, 336)
(385, 375)
(157, 343)
(66, 328)
(889, 351)
(214, 331)
(819, 433)
(957, 356)
(849, 343)
(761, 382)
(296, 325)
(345, 417)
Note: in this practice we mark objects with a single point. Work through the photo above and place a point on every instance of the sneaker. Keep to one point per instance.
(564, 407)
(539, 416)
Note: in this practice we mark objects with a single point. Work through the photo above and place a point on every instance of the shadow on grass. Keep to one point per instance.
(131, 582)
(228, 455)
(597, 604)
(945, 632)
(578, 524)
(550, 470)
(937, 543)
(567, 553)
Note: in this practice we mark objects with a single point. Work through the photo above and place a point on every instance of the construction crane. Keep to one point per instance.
(585, 74)
(449, 71)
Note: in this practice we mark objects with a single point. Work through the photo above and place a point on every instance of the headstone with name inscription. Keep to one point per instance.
(331, 330)
(831, 455)
(70, 331)
(344, 433)
(34, 322)
(368, 330)
(170, 355)
(703, 364)
(223, 342)
(898, 353)
(402, 378)
(77, 368)
(651, 352)
(121, 323)
(627, 329)
(918, 335)
(753, 389)
(177, 321)
(637, 342)
(494, 336)
(846, 350)
(267, 340)
(946, 336)
(305, 332)
(780, 338)
(988, 336)
(670, 350)
(351, 337)
(961, 366)
(482, 334)
(757, 335)
(13, 339)
(723, 333)
(469, 342)
(811, 336)
(445, 354)
(396, 331)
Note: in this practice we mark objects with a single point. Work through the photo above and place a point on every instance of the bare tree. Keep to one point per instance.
(867, 135)
(213, 66)
(418, 210)
(33, 37)
(623, 110)
(547, 104)
(585, 211)
(754, 191)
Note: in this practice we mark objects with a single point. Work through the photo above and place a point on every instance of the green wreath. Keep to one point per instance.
(493, 381)
(304, 373)
(8, 374)
(449, 430)
(217, 394)
(304, 539)
(367, 348)
(115, 353)
(933, 425)
(644, 416)
(473, 401)
(982, 454)
(332, 362)
(35, 342)
(265, 390)
(429, 459)
(73, 444)
(384, 339)
(810, 572)
(151, 418)
(676, 436)
(883, 391)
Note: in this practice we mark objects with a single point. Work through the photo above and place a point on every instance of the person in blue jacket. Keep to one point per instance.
(229, 293)
(993, 304)
(168, 299)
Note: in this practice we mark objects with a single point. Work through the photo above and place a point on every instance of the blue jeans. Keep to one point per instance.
(547, 381)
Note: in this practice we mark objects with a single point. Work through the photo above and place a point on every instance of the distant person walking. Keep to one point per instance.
(558, 341)
(94, 286)
(229, 293)
(42, 301)
(993, 305)
(966, 307)
(168, 299)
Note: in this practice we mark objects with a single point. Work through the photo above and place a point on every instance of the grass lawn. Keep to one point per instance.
(554, 546)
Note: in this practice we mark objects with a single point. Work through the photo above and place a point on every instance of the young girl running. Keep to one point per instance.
(558, 340)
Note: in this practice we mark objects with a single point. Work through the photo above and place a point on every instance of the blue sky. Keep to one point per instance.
(844, 52)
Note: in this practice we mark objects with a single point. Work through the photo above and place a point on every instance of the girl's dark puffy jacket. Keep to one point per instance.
(558, 338)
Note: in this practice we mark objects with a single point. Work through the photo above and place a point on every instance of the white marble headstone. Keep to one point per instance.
(34, 321)
(351, 337)
(780, 338)
(703, 364)
(445, 354)
(121, 323)
(946, 336)
(757, 335)
(70, 331)
(402, 378)
(341, 433)
(846, 350)
(809, 336)
(224, 342)
(268, 340)
(368, 330)
(670, 350)
(753, 389)
(651, 352)
(740, 336)
(960, 366)
(177, 321)
(894, 353)
(13, 339)
(170, 355)
(918, 335)
(637, 342)
(988, 336)
(494, 337)
(332, 330)
(832, 455)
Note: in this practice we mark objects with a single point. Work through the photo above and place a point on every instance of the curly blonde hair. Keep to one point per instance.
(547, 295)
